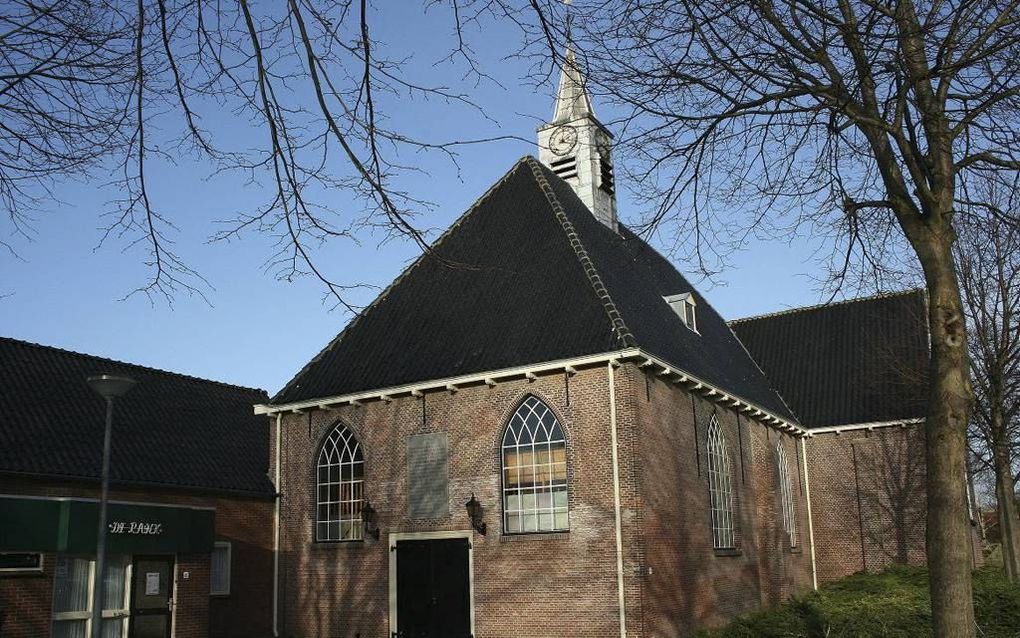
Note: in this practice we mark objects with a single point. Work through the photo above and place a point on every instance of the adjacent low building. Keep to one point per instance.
(190, 520)
(856, 375)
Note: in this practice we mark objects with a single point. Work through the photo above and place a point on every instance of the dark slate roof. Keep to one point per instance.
(527, 275)
(170, 429)
(860, 361)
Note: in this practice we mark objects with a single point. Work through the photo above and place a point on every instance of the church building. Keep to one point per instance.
(541, 429)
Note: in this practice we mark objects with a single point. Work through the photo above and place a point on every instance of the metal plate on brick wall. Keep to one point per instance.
(428, 493)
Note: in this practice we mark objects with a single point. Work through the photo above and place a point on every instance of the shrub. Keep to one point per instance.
(890, 604)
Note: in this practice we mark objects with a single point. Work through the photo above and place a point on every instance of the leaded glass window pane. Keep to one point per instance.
(720, 488)
(534, 471)
(786, 491)
(340, 487)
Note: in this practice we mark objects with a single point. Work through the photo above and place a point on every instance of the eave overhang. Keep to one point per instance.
(643, 359)
(649, 363)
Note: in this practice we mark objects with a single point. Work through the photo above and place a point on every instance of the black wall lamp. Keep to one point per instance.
(474, 510)
(370, 518)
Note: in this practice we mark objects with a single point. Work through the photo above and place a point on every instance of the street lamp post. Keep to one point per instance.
(109, 387)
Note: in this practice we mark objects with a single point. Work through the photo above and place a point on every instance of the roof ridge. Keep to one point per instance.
(615, 318)
(139, 366)
(842, 302)
(403, 275)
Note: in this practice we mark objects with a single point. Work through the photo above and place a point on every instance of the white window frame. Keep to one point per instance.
(340, 449)
(511, 442)
(685, 307)
(230, 568)
(25, 570)
(123, 614)
(720, 488)
(786, 493)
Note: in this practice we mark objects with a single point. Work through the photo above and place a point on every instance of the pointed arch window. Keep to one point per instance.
(534, 456)
(786, 492)
(340, 487)
(720, 487)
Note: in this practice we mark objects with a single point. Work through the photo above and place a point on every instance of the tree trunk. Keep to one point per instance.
(950, 393)
(1005, 495)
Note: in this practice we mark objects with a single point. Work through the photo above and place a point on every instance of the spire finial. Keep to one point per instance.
(572, 101)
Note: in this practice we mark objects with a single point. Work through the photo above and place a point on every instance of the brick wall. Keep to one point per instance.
(561, 584)
(540, 585)
(691, 585)
(26, 600)
(868, 496)
(869, 499)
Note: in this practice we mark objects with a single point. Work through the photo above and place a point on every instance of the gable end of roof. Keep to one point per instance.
(403, 275)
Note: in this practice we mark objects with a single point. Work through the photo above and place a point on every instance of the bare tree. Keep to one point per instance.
(83, 83)
(854, 115)
(988, 254)
(860, 118)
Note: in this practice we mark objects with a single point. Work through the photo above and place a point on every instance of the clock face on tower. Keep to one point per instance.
(563, 140)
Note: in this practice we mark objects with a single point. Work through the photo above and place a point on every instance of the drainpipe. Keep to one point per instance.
(276, 531)
(616, 501)
(810, 517)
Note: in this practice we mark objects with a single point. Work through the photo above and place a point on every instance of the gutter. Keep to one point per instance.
(837, 429)
(616, 499)
(448, 383)
(276, 530)
(810, 516)
(494, 377)
(146, 486)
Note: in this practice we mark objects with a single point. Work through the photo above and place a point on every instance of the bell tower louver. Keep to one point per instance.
(577, 147)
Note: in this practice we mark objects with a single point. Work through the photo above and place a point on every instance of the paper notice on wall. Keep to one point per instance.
(152, 583)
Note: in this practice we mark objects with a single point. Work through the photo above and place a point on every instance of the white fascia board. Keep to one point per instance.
(489, 377)
(836, 429)
(719, 395)
(493, 376)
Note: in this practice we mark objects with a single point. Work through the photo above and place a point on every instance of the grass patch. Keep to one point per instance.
(892, 604)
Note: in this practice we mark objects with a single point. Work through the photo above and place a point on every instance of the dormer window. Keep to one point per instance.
(683, 305)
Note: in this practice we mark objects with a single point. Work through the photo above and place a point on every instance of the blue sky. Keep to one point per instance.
(257, 331)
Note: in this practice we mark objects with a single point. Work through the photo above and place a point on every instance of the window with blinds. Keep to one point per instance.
(219, 570)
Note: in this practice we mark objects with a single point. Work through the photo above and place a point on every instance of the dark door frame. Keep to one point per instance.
(171, 612)
(425, 536)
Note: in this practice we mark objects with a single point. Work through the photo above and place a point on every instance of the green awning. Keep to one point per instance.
(69, 526)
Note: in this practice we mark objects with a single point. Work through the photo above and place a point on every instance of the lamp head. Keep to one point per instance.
(111, 386)
(474, 511)
(369, 519)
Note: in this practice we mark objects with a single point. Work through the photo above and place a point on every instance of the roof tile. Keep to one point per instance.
(859, 361)
(527, 275)
(170, 429)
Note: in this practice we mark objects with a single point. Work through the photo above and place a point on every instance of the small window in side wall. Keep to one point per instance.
(219, 571)
(20, 563)
(684, 306)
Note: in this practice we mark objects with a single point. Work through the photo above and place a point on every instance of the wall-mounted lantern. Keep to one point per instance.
(370, 519)
(474, 510)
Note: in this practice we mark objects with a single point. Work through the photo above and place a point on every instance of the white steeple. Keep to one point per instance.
(576, 146)
(572, 101)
